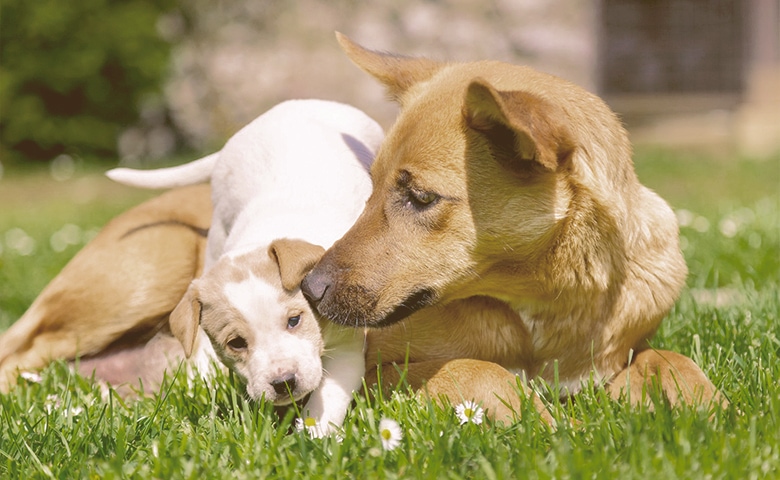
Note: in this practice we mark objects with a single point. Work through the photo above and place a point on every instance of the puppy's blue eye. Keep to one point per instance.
(293, 322)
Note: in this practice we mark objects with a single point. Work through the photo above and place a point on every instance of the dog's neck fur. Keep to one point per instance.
(593, 252)
(600, 262)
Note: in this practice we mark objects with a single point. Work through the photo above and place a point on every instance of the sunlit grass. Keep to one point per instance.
(727, 320)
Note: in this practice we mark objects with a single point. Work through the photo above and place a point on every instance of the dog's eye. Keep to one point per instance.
(293, 322)
(421, 200)
(237, 344)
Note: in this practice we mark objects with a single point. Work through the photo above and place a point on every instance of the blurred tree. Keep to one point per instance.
(72, 74)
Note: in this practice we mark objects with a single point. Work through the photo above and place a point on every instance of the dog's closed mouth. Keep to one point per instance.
(415, 301)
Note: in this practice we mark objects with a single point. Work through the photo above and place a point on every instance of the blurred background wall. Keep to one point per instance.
(136, 81)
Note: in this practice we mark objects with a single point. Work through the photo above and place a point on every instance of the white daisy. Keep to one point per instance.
(469, 412)
(52, 402)
(390, 433)
(318, 429)
(308, 424)
(31, 377)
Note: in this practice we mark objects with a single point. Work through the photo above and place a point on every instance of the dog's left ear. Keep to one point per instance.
(295, 259)
(522, 124)
(398, 73)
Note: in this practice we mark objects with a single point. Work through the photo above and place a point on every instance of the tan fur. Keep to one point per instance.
(507, 225)
(117, 292)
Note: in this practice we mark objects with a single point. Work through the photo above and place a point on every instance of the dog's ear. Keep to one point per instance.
(396, 72)
(295, 259)
(524, 126)
(185, 319)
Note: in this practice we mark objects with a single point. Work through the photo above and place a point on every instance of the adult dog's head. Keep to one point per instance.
(476, 191)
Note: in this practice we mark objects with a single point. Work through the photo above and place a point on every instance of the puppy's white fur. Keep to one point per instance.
(299, 171)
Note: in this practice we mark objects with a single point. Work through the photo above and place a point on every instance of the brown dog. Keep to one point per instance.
(507, 233)
(116, 294)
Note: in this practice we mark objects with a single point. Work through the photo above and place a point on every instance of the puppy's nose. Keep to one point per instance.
(315, 284)
(284, 385)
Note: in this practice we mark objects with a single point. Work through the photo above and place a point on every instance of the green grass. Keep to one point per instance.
(727, 320)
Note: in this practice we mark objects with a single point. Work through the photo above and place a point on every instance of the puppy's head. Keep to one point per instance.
(467, 191)
(251, 308)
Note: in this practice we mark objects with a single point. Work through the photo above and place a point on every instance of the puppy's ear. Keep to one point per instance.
(521, 127)
(396, 72)
(295, 259)
(185, 319)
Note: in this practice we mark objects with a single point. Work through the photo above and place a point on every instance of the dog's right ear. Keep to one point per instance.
(397, 72)
(185, 319)
(522, 128)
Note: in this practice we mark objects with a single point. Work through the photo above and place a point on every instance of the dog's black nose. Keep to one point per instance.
(315, 284)
(284, 385)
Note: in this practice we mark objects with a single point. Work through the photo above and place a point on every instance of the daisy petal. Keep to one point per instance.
(31, 377)
(390, 433)
(469, 412)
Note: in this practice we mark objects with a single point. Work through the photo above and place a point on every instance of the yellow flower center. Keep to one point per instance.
(468, 413)
(386, 434)
(310, 422)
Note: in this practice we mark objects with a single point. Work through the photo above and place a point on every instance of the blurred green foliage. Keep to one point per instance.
(72, 74)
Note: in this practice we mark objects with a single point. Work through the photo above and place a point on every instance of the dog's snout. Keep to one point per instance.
(284, 385)
(315, 284)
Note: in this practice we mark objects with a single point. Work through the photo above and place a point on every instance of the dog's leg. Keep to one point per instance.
(123, 283)
(42, 350)
(680, 380)
(490, 385)
(68, 340)
(14, 340)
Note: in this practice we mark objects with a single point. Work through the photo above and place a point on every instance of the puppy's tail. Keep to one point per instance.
(197, 171)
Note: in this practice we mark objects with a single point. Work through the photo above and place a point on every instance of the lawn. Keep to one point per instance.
(726, 320)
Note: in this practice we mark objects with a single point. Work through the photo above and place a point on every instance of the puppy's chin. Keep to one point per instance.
(283, 402)
(278, 401)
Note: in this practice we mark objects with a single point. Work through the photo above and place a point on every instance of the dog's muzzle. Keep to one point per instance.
(353, 305)
(315, 285)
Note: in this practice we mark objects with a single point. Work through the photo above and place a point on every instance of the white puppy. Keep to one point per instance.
(284, 188)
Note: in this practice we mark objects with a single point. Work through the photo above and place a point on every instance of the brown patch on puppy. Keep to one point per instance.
(207, 291)
(295, 259)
